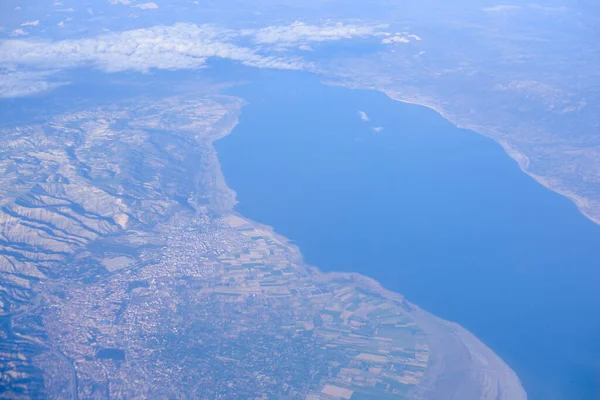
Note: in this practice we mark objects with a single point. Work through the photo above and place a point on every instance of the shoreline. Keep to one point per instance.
(477, 370)
(581, 203)
(482, 369)
(520, 158)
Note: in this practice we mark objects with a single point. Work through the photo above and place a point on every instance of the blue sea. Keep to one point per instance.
(437, 213)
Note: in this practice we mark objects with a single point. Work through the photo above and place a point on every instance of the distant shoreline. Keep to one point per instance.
(522, 160)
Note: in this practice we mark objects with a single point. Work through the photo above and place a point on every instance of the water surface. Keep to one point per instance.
(439, 214)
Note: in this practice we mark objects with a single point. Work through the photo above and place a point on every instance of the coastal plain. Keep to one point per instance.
(125, 272)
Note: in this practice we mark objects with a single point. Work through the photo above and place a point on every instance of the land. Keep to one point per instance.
(118, 268)
(126, 273)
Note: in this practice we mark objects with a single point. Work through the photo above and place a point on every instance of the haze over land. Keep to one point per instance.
(522, 73)
(120, 255)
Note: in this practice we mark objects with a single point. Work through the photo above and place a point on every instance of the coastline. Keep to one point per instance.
(581, 203)
(513, 152)
(475, 371)
(460, 363)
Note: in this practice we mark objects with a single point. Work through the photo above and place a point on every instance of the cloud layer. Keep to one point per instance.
(301, 33)
(147, 6)
(179, 46)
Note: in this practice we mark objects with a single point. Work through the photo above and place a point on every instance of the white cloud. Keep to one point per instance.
(395, 39)
(502, 8)
(147, 6)
(31, 23)
(19, 84)
(400, 37)
(180, 46)
(301, 33)
(548, 9)
(18, 32)
(363, 116)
